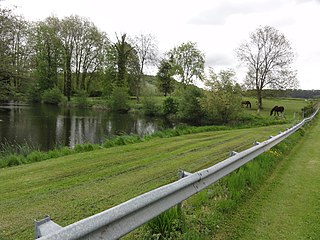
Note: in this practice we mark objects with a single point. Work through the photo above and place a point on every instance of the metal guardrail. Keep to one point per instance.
(122, 219)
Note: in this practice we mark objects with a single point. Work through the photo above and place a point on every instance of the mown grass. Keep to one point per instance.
(210, 214)
(287, 205)
(73, 187)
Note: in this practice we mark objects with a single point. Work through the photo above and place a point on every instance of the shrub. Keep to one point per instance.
(170, 106)
(189, 105)
(36, 156)
(81, 99)
(150, 107)
(52, 96)
(14, 160)
(308, 109)
(120, 99)
(34, 93)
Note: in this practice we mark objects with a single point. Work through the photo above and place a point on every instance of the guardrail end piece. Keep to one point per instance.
(45, 227)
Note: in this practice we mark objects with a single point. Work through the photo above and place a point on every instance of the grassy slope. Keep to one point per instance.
(74, 187)
(287, 206)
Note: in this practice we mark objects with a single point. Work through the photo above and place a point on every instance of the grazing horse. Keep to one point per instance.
(276, 110)
(247, 103)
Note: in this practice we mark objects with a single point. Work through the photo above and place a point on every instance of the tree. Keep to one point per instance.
(48, 53)
(15, 53)
(222, 102)
(188, 62)
(147, 52)
(268, 56)
(165, 80)
(89, 54)
(123, 50)
(6, 26)
(67, 33)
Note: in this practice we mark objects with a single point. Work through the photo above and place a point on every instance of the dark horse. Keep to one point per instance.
(247, 103)
(277, 110)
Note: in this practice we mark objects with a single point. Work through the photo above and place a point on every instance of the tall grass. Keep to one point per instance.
(165, 226)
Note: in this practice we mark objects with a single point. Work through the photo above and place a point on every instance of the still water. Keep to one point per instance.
(46, 126)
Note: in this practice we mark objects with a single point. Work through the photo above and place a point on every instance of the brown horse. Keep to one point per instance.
(247, 103)
(276, 110)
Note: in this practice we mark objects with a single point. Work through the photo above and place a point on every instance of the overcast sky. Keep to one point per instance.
(217, 26)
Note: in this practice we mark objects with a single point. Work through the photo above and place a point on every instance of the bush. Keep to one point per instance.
(170, 106)
(52, 96)
(81, 99)
(34, 93)
(120, 99)
(189, 105)
(308, 109)
(14, 160)
(150, 106)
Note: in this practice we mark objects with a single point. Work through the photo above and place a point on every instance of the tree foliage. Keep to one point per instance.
(165, 80)
(15, 54)
(189, 109)
(222, 100)
(48, 53)
(268, 56)
(188, 62)
(124, 51)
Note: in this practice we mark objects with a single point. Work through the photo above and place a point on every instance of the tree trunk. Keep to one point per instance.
(259, 98)
(68, 77)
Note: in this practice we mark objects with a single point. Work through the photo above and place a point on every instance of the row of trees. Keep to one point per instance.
(73, 55)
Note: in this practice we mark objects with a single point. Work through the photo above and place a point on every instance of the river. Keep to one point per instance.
(46, 126)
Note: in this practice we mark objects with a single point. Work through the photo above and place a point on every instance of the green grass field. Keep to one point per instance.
(292, 107)
(286, 206)
(73, 187)
(77, 186)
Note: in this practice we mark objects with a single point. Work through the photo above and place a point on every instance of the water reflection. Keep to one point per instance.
(47, 126)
